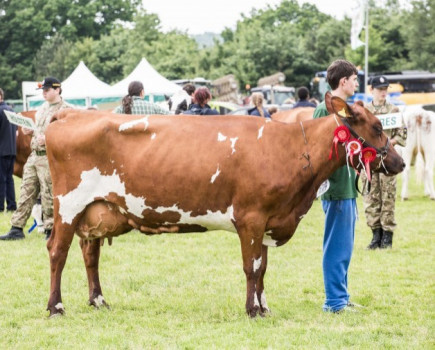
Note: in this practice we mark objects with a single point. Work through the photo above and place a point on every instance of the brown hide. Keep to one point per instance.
(296, 115)
(23, 146)
(186, 173)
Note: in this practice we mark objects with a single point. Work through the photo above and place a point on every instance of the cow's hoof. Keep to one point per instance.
(265, 312)
(57, 310)
(252, 313)
(99, 302)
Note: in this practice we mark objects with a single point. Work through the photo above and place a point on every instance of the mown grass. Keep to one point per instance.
(188, 291)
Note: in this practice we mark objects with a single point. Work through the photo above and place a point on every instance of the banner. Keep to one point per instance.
(20, 120)
(391, 120)
(357, 24)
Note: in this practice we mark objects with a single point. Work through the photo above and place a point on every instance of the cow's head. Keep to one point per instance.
(367, 129)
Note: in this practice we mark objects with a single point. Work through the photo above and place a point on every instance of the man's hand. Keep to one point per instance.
(41, 140)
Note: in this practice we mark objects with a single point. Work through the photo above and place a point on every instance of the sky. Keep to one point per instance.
(200, 16)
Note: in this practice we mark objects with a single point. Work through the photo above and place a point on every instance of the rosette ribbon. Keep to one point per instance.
(353, 148)
(368, 155)
(341, 135)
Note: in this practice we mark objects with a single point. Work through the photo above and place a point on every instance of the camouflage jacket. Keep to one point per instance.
(42, 119)
(398, 134)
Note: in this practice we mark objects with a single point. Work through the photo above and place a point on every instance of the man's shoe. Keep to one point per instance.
(346, 309)
(387, 240)
(377, 239)
(47, 233)
(354, 305)
(14, 234)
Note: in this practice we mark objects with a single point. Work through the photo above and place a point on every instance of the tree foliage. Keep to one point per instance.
(50, 37)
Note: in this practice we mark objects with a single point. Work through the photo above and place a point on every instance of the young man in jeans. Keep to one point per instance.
(339, 204)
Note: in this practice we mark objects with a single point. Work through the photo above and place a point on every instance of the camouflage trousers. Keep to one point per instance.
(36, 179)
(380, 203)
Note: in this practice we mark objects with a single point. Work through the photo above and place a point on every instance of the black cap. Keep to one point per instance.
(379, 81)
(49, 82)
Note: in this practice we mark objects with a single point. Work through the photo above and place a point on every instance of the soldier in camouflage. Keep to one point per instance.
(379, 203)
(36, 173)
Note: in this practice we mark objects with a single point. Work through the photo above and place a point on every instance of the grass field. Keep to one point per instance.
(188, 291)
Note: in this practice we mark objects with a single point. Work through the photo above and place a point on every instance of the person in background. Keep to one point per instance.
(36, 173)
(258, 110)
(379, 203)
(303, 95)
(339, 204)
(133, 102)
(8, 151)
(200, 106)
(182, 99)
(272, 110)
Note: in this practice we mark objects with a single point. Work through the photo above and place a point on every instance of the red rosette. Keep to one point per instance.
(368, 155)
(353, 148)
(342, 135)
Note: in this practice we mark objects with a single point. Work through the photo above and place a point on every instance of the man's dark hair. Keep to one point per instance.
(303, 93)
(339, 69)
(189, 88)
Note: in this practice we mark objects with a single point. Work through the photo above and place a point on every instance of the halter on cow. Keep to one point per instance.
(185, 173)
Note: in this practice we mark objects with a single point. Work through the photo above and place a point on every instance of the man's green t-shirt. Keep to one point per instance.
(342, 186)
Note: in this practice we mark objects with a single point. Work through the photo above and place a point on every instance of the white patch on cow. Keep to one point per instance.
(252, 242)
(59, 306)
(260, 133)
(256, 264)
(221, 137)
(268, 241)
(98, 301)
(256, 303)
(133, 123)
(233, 144)
(95, 185)
(216, 174)
(153, 136)
(212, 220)
(263, 301)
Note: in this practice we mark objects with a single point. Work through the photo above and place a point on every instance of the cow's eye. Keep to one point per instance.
(378, 129)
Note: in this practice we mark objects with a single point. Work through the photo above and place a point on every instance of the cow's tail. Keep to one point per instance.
(419, 161)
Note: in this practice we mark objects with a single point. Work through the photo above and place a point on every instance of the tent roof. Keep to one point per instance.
(82, 83)
(154, 83)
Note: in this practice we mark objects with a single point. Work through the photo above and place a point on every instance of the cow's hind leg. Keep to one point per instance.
(58, 247)
(261, 294)
(91, 256)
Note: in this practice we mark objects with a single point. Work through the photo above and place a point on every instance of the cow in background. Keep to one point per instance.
(23, 146)
(166, 174)
(420, 143)
(295, 115)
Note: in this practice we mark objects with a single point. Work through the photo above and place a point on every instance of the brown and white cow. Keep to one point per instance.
(295, 115)
(157, 174)
(23, 146)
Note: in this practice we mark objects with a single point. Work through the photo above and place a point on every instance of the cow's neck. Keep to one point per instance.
(319, 136)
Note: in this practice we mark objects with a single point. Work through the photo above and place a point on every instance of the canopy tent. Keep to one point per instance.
(82, 88)
(155, 85)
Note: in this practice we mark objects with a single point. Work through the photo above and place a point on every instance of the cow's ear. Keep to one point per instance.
(340, 107)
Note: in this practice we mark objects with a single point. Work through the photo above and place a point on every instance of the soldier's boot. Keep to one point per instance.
(15, 233)
(387, 240)
(377, 239)
(47, 233)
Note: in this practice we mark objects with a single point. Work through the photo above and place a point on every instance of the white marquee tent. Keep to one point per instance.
(82, 88)
(155, 85)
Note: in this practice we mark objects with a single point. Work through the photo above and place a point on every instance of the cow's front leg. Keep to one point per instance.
(58, 247)
(91, 257)
(251, 244)
(261, 295)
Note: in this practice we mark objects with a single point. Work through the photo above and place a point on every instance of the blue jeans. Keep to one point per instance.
(337, 250)
(7, 189)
